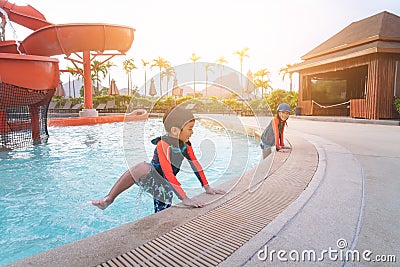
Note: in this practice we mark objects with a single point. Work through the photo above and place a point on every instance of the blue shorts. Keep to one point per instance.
(159, 188)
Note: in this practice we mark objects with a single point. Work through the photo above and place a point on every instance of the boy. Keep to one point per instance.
(159, 176)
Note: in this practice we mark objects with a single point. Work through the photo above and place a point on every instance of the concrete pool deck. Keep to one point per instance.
(313, 198)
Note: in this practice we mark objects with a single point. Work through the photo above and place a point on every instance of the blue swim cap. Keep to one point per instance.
(284, 107)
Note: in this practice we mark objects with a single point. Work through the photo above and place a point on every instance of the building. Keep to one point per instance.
(355, 72)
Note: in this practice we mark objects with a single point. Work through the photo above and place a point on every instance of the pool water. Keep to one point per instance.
(45, 190)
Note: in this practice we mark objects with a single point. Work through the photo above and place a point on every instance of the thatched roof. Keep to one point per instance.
(378, 33)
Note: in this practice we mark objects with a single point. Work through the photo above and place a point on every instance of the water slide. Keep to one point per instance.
(51, 39)
(27, 70)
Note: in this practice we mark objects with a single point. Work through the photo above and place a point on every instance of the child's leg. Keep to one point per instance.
(126, 180)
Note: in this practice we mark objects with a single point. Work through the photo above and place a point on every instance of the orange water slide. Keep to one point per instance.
(26, 16)
(29, 79)
(26, 80)
(64, 39)
(28, 71)
(70, 38)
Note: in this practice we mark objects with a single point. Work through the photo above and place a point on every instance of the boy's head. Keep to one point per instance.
(177, 117)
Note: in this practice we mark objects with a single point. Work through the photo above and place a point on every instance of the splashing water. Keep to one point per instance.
(2, 11)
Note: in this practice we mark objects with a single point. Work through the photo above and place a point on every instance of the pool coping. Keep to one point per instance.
(109, 244)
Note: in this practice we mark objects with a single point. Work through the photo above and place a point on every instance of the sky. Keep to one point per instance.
(276, 32)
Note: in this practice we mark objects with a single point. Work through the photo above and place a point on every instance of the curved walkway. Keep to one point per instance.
(326, 216)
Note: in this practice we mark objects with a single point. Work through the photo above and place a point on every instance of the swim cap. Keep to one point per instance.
(177, 117)
(284, 107)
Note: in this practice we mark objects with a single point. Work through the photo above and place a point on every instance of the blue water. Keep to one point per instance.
(45, 190)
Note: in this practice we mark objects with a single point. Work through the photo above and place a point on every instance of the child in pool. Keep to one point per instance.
(273, 133)
(159, 176)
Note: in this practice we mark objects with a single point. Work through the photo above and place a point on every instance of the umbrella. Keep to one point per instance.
(113, 90)
(152, 90)
(176, 90)
(60, 90)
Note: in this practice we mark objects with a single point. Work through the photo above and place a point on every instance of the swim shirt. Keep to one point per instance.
(167, 160)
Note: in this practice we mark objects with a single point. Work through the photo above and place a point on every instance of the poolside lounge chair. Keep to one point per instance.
(110, 104)
(52, 105)
(67, 105)
(101, 106)
(77, 106)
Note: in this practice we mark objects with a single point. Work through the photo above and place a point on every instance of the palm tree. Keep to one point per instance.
(128, 66)
(221, 61)
(208, 67)
(260, 82)
(194, 58)
(285, 71)
(98, 68)
(108, 66)
(242, 54)
(161, 63)
(168, 72)
(145, 63)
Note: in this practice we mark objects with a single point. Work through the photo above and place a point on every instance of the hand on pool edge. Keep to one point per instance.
(213, 191)
(192, 202)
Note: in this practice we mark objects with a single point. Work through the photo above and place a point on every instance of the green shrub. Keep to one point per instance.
(397, 104)
(279, 96)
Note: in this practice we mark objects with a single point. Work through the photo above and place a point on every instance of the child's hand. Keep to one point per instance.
(213, 191)
(192, 202)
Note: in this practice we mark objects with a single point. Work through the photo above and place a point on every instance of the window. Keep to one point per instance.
(329, 91)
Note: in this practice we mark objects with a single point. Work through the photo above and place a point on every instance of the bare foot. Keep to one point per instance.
(102, 203)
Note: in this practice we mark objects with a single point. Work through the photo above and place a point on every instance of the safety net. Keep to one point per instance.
(23, 116)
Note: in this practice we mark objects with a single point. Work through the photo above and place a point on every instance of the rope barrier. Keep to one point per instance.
(331, 106)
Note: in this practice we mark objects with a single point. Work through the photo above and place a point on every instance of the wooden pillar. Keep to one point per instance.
(371, 108)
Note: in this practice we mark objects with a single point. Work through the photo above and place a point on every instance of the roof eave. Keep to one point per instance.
(305, 65)
(347, 46)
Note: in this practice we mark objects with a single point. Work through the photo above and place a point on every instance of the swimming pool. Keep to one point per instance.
(45, 190)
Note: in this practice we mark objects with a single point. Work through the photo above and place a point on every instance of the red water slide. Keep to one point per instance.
(26, 16)
(33, 72)
(26, 69)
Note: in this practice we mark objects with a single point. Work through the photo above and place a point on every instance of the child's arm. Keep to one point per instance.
(196, 167)
(281, 140)
(275, 123)
(198, 170)
(162, 150)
